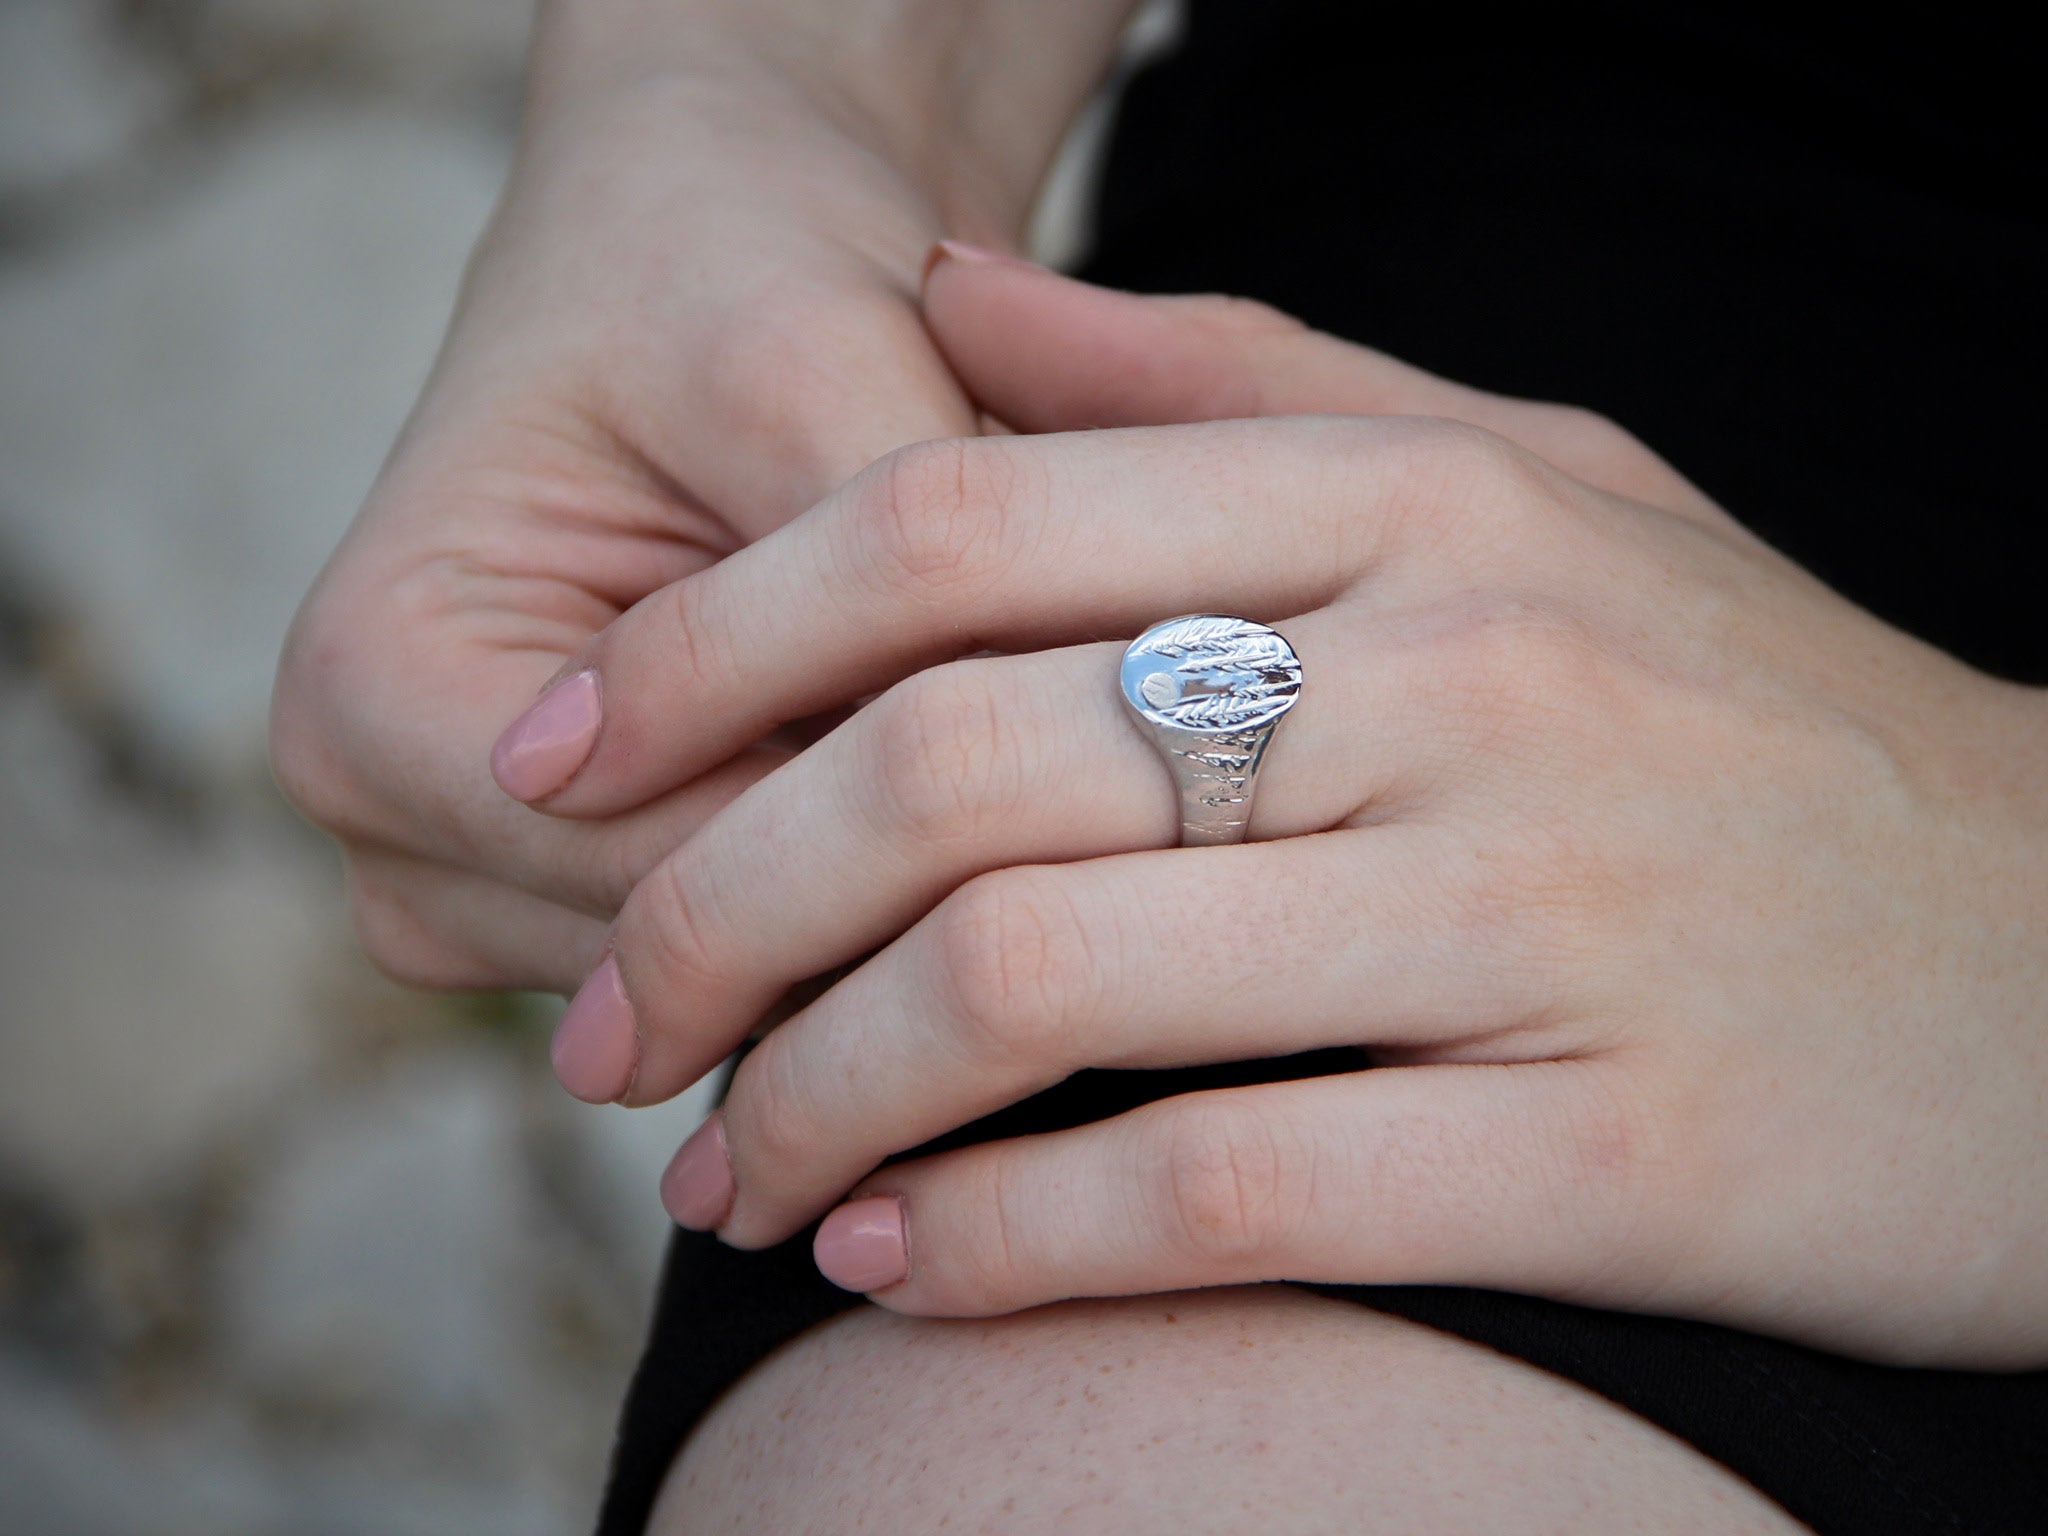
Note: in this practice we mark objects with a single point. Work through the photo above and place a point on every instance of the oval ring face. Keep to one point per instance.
(1212, 674)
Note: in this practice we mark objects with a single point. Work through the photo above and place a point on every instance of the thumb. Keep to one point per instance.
(1045, 353)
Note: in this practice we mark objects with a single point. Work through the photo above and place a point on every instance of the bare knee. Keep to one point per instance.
(1261, 1410)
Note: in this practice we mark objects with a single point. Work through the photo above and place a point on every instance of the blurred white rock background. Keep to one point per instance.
(283, 1248)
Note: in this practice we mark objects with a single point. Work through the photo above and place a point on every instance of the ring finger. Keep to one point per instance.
(968, 768)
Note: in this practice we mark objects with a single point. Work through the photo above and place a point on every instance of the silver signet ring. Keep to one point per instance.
(1208, 690)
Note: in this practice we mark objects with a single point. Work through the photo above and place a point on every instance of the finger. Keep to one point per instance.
(426, 794)
(377, 734)
(791, 384)
(970, 768)
(1028, 975)
(449, 930)
(1527, 1177)
(993, 543)
(815, 421)
(1049, 354)
(588, 866)
(961, 769)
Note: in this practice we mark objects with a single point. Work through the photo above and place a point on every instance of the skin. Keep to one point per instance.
(1264, 1411)
(693, 314)
(1691, 907)
(634, 391)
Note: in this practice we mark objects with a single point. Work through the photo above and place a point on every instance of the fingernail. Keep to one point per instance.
(861, 1246)
(596, 1045)
(541, 750)
(697, 1188)
(972, 255)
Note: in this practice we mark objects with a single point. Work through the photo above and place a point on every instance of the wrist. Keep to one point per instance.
(967, 99)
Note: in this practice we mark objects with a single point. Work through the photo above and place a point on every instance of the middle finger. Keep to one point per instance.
(1146, 960)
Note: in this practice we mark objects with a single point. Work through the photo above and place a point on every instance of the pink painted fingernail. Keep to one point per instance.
(861, 1246)
(697, 1189)
(971, 255)
(541, 750)
(596, 1045)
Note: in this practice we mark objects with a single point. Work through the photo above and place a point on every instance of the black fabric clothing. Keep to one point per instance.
(1849, 1448)
(1803, 259)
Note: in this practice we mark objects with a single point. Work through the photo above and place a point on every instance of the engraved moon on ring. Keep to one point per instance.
(1211, 673)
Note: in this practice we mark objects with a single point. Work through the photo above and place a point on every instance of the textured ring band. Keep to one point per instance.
(1208, 690)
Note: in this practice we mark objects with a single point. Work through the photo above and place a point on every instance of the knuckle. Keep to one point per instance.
(1250, 318)
(600, 876)
(1537, 652)
(1535, 703)
(936, 516)
(1630, 1180)
(307, 758)
(351, 747)
(403, 947)
(780, 363)
(1452, 478)
(1595, 437)
(984, 1267)
(306, 774)
(1228, 1185)
(1598, 448)
(1256, 332)
(771, 1120)
(1263, 341)
(1439, 450)
(1527, 663)
(694, 647)
(1015, 969)
(1549, 906)
(1613, 1149)
(664, 932)
(941, 746)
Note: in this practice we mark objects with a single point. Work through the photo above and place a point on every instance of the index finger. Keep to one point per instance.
(948, 548)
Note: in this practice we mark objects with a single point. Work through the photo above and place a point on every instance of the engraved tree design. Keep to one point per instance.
(1229, 674)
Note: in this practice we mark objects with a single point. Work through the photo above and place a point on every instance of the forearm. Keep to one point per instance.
(969, 98)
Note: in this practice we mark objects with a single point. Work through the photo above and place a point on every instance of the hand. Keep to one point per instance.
(693, 314)
(1692, 915)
